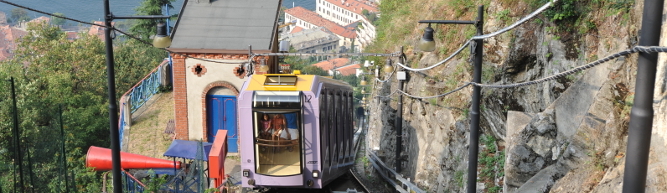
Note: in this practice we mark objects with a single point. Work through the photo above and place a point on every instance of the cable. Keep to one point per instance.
(442, 95)
(116, 29)
(326, 54)
(645, 49)
(386, 96)
(514, 25)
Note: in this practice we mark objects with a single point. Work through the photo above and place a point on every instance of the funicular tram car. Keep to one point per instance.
(296, 131)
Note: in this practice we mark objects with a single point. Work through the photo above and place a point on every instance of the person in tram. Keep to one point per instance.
(278, 124)
(266, 123)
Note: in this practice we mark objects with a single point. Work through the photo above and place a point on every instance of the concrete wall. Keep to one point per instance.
(200, 85)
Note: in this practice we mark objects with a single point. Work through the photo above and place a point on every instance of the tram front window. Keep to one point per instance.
(277, 142)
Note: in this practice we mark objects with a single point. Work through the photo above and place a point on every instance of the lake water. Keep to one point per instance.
(89, 10)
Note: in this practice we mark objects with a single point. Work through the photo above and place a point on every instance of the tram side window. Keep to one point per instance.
(332, 127)
(323, 129)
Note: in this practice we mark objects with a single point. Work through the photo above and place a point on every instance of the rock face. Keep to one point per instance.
(537, 148)
(563, 135)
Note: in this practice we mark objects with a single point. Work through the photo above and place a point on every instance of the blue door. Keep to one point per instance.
(221, 114)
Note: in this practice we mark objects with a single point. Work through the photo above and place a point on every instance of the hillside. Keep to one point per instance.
(563, 135)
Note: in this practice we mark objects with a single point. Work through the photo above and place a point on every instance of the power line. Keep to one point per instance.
(514, 25)
(118, 30)
(436, 96)
(645, 49)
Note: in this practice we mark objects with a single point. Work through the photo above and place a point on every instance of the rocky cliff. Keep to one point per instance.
(564, 135)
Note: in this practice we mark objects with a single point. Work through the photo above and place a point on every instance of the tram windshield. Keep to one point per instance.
(277, 133)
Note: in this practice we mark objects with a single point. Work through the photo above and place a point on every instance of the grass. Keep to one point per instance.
(491, 163)
(145, 135)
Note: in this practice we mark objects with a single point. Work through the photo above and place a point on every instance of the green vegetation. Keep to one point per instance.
(458, 176)
(57, 20)
(18, 15)
(146, 28)
(491, 162)
(49, 70)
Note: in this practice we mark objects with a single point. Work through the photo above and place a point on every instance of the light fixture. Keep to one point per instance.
(316, 173)
(387, 67)
(363, 91)
(263, 67)
(363, 81)
(161, 39)
(427, 44)
(363, 98)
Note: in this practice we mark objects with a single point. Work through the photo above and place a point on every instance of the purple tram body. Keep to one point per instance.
(295, 131)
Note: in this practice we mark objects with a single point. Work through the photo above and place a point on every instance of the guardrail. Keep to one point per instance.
(139, 94)
(405, 187)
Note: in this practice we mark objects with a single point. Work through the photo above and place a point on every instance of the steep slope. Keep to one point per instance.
(574, 134)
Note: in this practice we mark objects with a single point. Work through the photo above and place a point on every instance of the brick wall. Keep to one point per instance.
(180, 97)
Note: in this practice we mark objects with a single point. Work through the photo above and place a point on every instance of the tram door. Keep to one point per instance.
(221, 114)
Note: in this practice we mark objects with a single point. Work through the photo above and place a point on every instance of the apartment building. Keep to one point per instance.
(307, 19)
(347, 12)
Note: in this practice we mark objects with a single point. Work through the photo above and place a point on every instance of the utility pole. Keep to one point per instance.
(17, 138)
(641, 115)
(473, 149)
(63, 162)
(398, 123)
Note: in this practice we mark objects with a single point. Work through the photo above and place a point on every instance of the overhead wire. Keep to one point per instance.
(514, 25)
(646, 49)
(115, 29)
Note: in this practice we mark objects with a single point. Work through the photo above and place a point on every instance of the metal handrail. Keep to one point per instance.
(398, 176)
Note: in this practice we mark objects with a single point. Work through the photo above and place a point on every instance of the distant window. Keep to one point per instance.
(324, 49)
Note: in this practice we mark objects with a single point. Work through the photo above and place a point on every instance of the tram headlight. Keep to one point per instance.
(251, 182)
(316, 173)
(246, 173)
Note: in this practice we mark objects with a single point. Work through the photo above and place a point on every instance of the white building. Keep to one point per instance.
(307, 19)
(345, 12)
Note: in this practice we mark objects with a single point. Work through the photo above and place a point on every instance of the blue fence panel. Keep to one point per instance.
(131, 185)
(145, 90)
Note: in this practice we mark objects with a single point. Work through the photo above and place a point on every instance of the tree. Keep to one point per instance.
(57, 20)
(314, 70)
(50, 70)
(19, 15)
(146, 28)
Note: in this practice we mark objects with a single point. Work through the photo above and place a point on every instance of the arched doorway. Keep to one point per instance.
(221, 114)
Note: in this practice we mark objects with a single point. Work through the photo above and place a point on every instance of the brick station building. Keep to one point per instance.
(205, 91)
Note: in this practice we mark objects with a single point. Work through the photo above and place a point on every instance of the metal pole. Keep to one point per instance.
(17, 138)
(113, 109)
(32, 183)
(641, 115)
(62, 148)
(473, 148)
(399, 121)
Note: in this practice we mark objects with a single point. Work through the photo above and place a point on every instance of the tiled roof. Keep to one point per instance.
(40, 20)
(97, 30)
(297, 29)
(317, 20)
(8, 40)
(71, 36)
(349, 69)
(330, 64)
(354, 5)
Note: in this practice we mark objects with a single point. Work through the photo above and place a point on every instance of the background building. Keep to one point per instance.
(205, 92)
